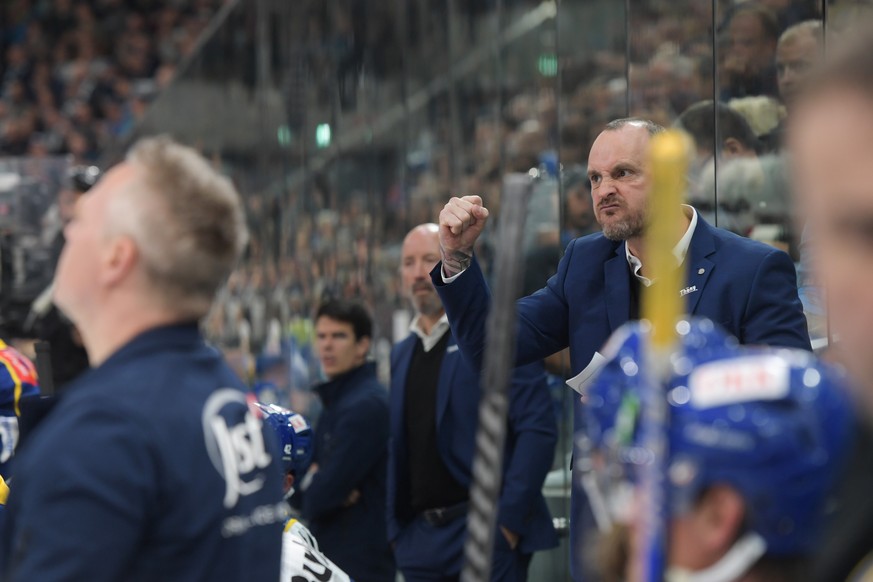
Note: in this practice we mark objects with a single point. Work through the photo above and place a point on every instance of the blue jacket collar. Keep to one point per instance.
(697, 266)
(333, 389)
(185, 334)
(702, 243)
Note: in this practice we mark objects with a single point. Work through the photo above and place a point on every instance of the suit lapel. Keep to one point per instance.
(447, 372)
(398, 384)
(699, 265)
(617, 288)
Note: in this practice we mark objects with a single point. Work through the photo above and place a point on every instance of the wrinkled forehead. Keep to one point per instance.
(627, 144)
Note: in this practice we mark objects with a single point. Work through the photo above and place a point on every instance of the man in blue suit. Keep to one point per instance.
(747, 287)
(434, 410)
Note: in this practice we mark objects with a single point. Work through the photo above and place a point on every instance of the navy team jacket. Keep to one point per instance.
(351, 449)
(151, 467)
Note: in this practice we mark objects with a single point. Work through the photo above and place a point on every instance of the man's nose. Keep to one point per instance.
(605, 188)
(421, 271)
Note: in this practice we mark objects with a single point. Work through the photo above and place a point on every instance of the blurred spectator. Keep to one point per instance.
(721, 135)
(578, 218)
(800, 48)
(76, 75)
(747, 68)
(763, 113)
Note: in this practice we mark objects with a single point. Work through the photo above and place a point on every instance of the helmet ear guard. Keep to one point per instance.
(772, 424)
(294, 435)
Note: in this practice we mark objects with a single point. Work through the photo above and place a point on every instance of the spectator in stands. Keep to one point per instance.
(747, 68)
(76, 74)
(800, 48)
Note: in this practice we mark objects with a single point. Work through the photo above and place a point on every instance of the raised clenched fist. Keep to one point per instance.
(461, 222)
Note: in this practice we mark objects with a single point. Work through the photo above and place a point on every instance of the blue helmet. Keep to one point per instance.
(771, 423)
(294, 435)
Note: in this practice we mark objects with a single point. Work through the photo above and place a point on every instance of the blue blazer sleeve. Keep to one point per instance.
(391, 488)
(364, 430)
(774, 314)
(542, 317)
(531, 437)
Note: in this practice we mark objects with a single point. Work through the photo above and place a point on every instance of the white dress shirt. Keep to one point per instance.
(679, 251)
(429, 340)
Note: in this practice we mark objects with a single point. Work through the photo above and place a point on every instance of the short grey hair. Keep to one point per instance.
(187, 221)
(813, 28)
(650, 126)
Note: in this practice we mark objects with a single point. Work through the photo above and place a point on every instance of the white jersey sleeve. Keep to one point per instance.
(301, 559)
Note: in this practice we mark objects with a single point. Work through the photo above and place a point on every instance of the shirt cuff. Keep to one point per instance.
(448, 280)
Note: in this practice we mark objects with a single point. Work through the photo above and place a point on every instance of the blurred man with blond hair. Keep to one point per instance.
(152, 466)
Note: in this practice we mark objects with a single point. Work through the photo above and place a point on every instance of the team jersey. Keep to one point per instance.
(301, 559)
(17, 379)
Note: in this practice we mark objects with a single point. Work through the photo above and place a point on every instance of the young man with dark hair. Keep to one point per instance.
(344, 498)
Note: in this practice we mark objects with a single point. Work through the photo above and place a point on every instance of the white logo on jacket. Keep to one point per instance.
(687, 290)
(236, 451)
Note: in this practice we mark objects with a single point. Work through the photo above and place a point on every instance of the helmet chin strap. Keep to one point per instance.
(736, 562)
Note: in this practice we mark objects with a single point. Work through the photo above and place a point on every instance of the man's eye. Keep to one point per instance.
(623, 173)
(857, 228)
(594, 179)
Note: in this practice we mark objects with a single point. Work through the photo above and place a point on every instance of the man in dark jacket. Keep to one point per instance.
(152, 466)
(435, 396)
(344, 502)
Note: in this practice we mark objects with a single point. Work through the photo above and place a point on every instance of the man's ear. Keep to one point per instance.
(732, 148)
(363, 347)
(119, 259)
(721, 512)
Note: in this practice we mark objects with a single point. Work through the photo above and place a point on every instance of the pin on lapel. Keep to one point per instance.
(701, 271)
(687, 290)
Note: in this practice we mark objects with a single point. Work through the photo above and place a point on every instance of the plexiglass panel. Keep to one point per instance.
(671, 74)
(763, 51)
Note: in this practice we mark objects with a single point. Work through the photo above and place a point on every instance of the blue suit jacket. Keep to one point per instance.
(747, 287)
(530, 442)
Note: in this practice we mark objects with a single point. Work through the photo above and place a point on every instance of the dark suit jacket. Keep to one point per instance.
(748, 287)
(530, 443)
